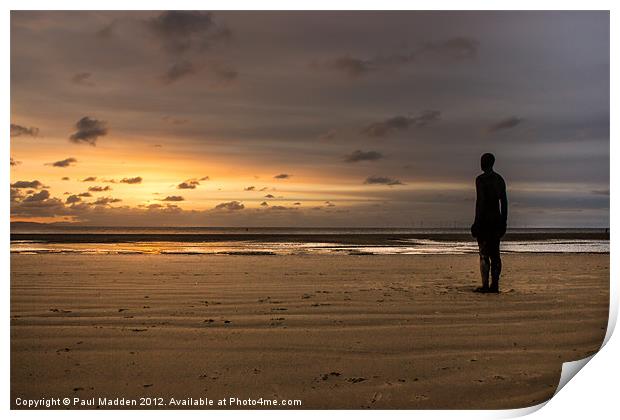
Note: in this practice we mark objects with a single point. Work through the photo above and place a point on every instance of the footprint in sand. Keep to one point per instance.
(376, 397)
(355, 380)
(326, 376)
(62, 311)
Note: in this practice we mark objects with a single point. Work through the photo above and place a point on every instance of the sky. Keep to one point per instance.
(340, 119)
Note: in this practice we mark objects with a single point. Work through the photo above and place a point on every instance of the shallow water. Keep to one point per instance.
(258, 247)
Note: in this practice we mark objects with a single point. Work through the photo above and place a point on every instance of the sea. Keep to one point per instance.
(28, 239)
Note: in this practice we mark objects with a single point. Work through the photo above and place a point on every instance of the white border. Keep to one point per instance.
(593, 394)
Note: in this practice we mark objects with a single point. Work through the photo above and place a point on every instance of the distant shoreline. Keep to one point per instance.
(344, 238)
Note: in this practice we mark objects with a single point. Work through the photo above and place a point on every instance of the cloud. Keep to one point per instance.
(73, 199)
(173, 121)
(134, 180)
(173, 198)
(189, 184)
(282, 208)
(504, 124)
(82, 79)
(63, 163)
(89, 179)
(99, 189)
(328, 135)
(88, 131)
(449, 50)
(252, 188)
(264, 204)
(85, 194)
(230, 206)
(204, 178)
(104, 201)
(224, 74)
(601, 192)
(381, 180)
(19, 130)
(182, 30)
(64, 178)
(352, 67)
(28, 184)
(283, 176)
(15, 162)
(359, 156)
(401, 123)
(270, 196)
(177, 71)
(40, 196)
(459, 48)
(297, 203)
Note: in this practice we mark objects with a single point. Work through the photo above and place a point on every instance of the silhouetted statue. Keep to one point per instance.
(490, 222)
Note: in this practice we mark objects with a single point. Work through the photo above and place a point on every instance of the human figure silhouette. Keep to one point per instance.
(490, 222)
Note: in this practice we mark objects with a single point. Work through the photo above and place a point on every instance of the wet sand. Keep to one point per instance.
(333, 331)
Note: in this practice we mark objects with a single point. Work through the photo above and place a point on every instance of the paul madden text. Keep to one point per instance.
(154, 402)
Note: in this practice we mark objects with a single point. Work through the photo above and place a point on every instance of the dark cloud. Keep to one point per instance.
(252, 188)
(99, 189)
(224, 74)
(177, 71)
(89, 179)
(400, 123)
(134, 180)
(173, 198)
(64, 178)
(63, 163)
(283, 176)
(270, 196)
(328, 135)
(189, 184)
(180, 30)
(459, 48)
(15, 162)
(20, 130)
(173, 121)
(104, 201)
(352, 67)
(73, 199)
(204, 178)
(16, 195)
(359, 156)
(40, 196)
(28, 184)
(107, 31)
(82, 79)
(88, 131)
(264, 204)
(382, 180)
(282, 208)
(505, 124)
(38, 205)
(450, 50)
(230, 206)
(601, 192)
(85, 194)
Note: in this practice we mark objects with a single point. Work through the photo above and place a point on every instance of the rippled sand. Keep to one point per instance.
(334, 331)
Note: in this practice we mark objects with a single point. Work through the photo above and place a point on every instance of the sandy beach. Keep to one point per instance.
(351, 332)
